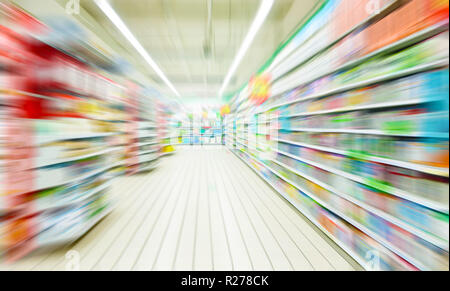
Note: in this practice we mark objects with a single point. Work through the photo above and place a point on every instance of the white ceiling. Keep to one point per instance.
(194, 53)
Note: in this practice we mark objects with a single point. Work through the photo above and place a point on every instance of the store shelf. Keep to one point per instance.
(361, 227)
(29, 94)
(384, 78)
(132, 161)
(444, 172)
(146, 125)
(419, 233)
(398, 45)
(362, 107)
(169, 136)
(387, 189)
(44, 204)
(140, 144)
(79, 124)
(150, 167)
(364, 229)
(75, 179)
(356, 257)
(440, 135)
(382, 69)
(166, 154)
(147, 135)
(76, 233)
(147, 152)
(42, 139)
(45, 163)
(388, 8)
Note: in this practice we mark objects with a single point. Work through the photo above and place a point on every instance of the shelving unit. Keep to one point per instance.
(366, 83)
(229, 131)
(205, 129)
(67, 130)
(166, 132)
(260, 171)
(147, 140)
(355, 133)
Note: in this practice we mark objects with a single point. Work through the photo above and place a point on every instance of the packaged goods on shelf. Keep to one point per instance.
(358, 40)
(406, 209)
(412, 90)
(66, 195)
(344, 234)
(66, 131)
(432, 52)
(355, 134)
(164, 128)
(186, 130)
(385, 177)
(65, 225)
(379, 148)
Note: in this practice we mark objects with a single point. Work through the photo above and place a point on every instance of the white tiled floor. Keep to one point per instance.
(201, 209)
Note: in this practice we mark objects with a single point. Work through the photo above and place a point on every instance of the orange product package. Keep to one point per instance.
(411, 16)
(339, 19)
(359, 11)
(437, 11)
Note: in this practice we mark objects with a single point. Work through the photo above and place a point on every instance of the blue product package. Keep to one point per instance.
(437, 89)
(436, 122)
(285, 123)
(435, 86)
(378, 225)
(412, 213)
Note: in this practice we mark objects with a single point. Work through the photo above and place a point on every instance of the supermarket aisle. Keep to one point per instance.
(201, 209)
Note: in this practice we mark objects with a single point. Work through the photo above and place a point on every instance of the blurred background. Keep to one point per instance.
(341, 106)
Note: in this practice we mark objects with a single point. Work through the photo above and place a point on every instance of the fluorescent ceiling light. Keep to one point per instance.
(261, 15)
(112, 15)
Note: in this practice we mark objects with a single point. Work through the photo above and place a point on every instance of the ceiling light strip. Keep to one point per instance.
(260, 17)
(117, 21)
